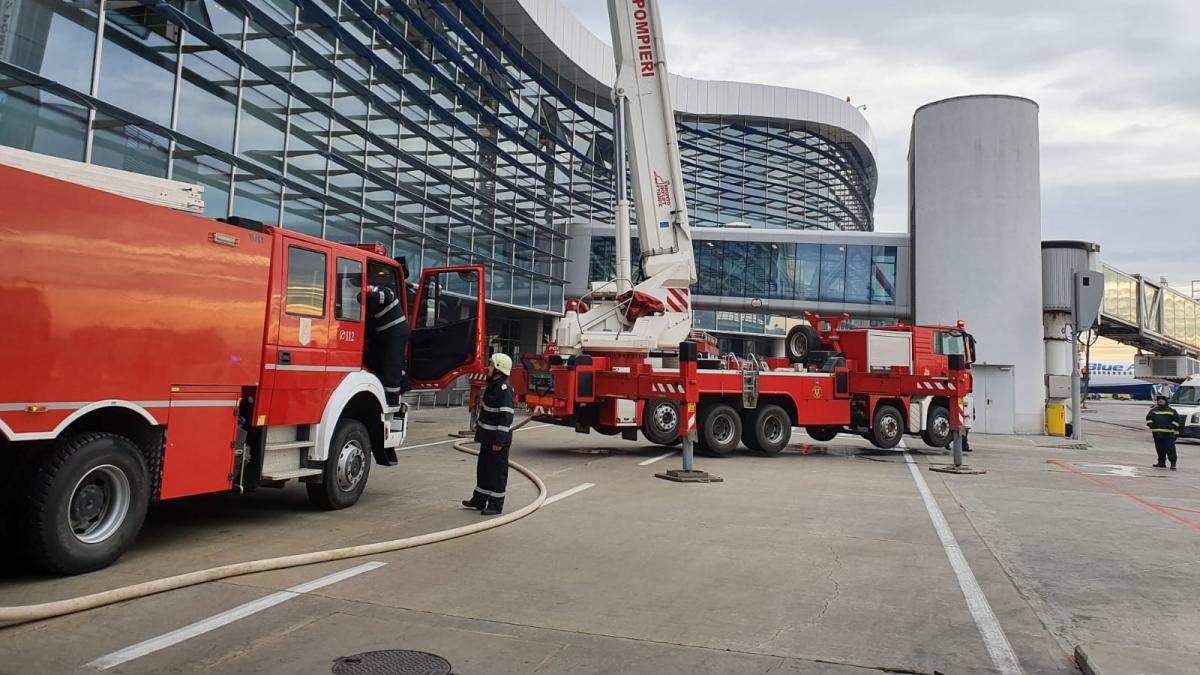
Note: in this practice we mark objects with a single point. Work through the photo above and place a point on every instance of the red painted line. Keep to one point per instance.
(1178, 508)
(1105, 484)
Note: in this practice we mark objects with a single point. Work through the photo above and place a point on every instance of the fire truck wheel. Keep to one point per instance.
(720, 429)
(823, 434)
(888, 429)
(937, 428)
(660, 422)
(346, 469)
(768, 430)
(86, 503)
(801, 340)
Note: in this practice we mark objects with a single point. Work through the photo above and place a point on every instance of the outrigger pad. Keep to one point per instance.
(681, 476)
(961, 469)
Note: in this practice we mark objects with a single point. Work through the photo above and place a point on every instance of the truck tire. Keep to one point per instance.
(937, 427)
(86, 502)
(660, 421)
(768, 430)
(346, 468)
(720, 429)
(801, 340)
(823, 434)
(888, 428)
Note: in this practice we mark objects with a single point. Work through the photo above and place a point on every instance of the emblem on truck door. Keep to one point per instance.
(305, 331)
(816, 392)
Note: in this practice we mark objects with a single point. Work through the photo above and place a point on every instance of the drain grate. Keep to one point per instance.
(392, 662)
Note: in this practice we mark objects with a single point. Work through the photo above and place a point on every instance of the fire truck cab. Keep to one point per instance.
(152, 354)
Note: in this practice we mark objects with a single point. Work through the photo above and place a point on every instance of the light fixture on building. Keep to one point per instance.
(738, 224)
(756, 303)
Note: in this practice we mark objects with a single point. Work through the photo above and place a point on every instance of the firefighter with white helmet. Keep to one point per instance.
(493, 432)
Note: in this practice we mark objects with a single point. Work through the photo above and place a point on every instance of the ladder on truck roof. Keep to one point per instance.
(172, 194)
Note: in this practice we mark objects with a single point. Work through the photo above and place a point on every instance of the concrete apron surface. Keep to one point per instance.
(823, 559)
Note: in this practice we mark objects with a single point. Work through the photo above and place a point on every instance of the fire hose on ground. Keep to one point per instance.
(47, 610)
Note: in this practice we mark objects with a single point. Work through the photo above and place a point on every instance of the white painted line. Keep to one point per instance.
(567, 493)
(652, 460)
(224, 618)
(993, 636)
(455, 440)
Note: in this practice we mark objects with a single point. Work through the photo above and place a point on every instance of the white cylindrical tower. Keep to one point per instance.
(975, 219)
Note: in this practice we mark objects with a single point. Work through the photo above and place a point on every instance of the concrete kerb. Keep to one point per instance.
(1105, 658)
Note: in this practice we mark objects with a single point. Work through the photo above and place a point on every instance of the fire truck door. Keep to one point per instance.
(300, 358)
(448, 322)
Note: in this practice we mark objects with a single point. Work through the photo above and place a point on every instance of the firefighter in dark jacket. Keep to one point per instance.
(1164, 425)
(493, 432)
(387, 341)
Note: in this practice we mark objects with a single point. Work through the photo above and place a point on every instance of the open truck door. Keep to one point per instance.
(448, 319)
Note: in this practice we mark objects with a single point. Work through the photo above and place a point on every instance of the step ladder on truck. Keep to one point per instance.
(153, 354)
(616, 365)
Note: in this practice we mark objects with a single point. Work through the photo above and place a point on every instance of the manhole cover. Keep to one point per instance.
(392, 662)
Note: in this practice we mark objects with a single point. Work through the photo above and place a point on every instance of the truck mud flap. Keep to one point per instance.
(385, 456)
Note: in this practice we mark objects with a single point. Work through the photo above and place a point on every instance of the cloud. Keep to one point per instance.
(1118, 86)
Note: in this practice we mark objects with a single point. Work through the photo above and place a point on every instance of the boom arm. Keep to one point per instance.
(651, 142)
(658, 314)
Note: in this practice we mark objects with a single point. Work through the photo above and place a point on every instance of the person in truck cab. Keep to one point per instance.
(493, 432)
(386, 348)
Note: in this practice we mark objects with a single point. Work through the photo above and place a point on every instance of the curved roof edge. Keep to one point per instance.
(970, 97)
(551, 33)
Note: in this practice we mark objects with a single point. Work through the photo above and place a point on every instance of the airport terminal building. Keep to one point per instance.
(453, 131)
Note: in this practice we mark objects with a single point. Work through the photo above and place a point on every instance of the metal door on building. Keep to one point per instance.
(994, 400)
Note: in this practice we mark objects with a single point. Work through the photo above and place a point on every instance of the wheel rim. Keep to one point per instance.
(799, 343)
(665, 418)
(99, 504)
(722, 429)
(351, 465)
(772, 430)
(889, 426)
(941, 427)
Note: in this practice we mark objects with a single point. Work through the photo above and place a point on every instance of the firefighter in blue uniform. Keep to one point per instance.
(387, 341)
(493, 432)
(1164, 425)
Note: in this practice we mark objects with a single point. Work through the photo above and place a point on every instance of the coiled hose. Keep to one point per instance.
(10, 616)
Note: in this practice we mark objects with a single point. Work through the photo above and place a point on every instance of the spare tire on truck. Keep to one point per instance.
(801, 340)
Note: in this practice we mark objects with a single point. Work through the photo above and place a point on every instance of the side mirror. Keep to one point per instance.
(403, 262)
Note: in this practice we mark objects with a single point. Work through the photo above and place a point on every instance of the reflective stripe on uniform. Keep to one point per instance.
(390, 324)
(497, 495)
(392, 390)
(385, 310)
(1163, 431)
(502, 409)
(494, 427)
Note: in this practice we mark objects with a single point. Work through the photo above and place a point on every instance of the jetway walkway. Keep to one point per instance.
(1149, 315)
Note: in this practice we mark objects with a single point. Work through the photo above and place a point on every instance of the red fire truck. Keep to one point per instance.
(881, 383)
(151, 354)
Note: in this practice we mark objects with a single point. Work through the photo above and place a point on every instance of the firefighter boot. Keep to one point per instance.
(477, 502)
(493, 508)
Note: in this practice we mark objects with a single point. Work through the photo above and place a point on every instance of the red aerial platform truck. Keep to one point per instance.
(880, 382)
(151, 354)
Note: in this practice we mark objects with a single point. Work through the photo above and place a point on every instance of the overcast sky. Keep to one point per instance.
(1118, 83)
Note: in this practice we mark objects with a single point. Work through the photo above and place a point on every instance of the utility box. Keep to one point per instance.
(1058, 386)
(888, 349)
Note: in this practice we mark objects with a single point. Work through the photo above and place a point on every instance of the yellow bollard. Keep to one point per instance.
(1056, 419)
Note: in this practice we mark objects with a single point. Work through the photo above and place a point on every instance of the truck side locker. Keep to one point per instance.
(448, 319)
(199, 451)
